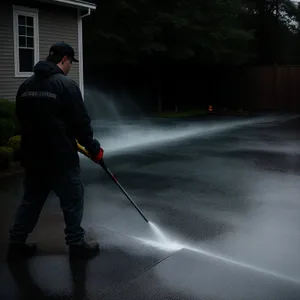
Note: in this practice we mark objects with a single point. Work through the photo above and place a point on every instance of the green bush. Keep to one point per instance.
(8, 110)
(6, 157)
(14, 142)
(8, 120)
(7, 130)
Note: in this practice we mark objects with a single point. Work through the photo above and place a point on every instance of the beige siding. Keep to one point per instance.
(55, 24)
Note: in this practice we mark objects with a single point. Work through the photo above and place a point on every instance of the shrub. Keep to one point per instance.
(8, 110)
(8, 120)
(14, 142)
(7, 129)
(6, 157)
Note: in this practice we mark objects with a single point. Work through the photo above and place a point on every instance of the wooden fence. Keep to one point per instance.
(259, 88)
(274, 88)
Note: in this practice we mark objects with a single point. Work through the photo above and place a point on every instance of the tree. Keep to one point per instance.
(275, 25)
(204, 32)
(128, 31)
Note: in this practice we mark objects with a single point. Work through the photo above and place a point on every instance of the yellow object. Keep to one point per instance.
(82, 150)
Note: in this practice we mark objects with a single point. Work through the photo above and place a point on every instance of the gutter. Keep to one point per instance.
(86, 15)
(77, 3)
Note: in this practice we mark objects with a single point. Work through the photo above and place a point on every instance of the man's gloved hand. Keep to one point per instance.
(95, 151)
(99, 156)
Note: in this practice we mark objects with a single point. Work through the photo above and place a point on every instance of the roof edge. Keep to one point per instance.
(77, 3)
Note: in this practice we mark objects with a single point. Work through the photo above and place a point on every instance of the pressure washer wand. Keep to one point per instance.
(106, 169)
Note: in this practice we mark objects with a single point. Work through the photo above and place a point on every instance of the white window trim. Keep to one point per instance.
(32, 12)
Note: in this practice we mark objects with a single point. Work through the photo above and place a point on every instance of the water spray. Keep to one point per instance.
(164, 242)
(83, 151)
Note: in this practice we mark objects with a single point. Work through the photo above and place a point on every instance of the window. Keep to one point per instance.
(26, 40)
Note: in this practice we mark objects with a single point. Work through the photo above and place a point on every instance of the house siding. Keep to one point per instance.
(55, 24)
(8, 82)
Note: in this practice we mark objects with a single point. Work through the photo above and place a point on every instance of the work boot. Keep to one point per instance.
(20, 251)
(86, 249)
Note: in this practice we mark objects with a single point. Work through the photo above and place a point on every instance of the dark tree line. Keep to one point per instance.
(206, 32)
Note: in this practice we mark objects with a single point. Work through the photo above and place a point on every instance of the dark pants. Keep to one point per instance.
(69, 189)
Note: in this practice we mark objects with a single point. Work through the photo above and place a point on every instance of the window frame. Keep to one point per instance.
(27, 12)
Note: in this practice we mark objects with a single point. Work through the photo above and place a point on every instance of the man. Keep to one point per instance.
(52, 116)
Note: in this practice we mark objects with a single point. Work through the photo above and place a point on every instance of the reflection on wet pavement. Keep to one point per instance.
(232, 194)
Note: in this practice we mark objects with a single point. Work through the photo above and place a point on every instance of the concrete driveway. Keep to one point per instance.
(223, 195)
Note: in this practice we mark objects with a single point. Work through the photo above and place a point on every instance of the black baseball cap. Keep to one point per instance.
(62, 49)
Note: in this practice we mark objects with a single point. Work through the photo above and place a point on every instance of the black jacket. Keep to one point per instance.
(52, 115)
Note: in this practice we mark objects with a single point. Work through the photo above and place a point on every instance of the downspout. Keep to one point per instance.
(87, 14)
(80, 49)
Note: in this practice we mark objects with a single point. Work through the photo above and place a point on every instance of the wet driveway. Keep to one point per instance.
(225, 199)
